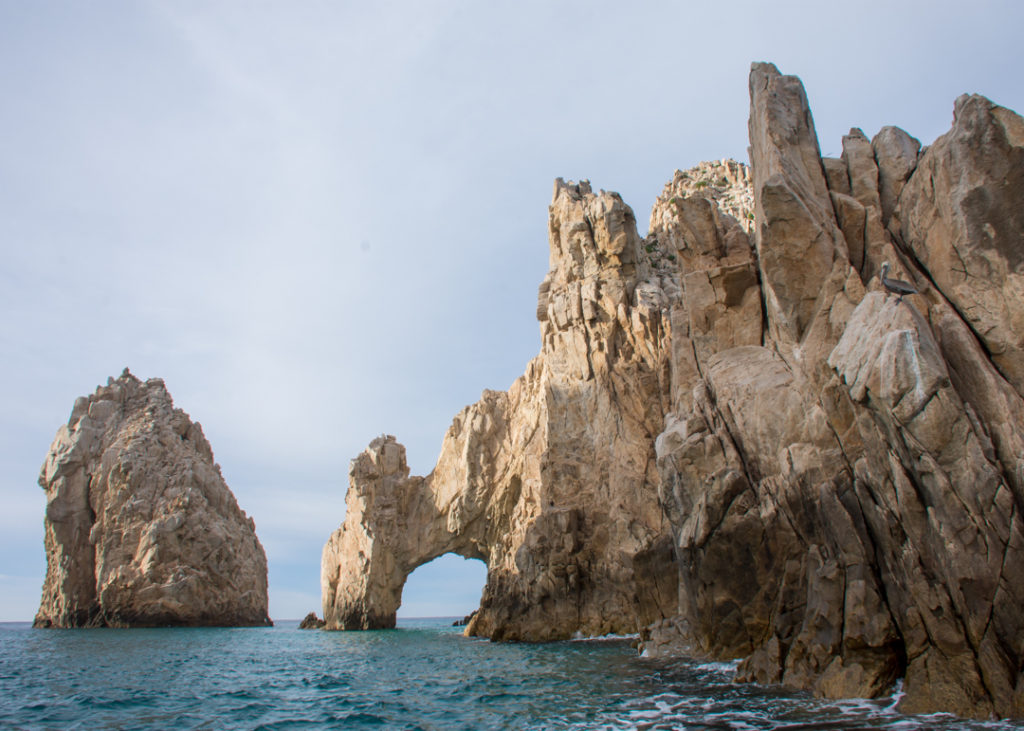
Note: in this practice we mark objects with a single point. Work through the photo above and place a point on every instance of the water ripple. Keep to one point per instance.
(423, 677)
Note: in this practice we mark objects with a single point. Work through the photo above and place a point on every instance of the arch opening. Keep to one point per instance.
(447, 586)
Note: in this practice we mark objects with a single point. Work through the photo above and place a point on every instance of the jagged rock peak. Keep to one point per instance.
(591, 234)
(726, 182)
(860, 472)
(141, 529)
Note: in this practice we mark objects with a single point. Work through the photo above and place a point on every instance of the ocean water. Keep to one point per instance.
(423, 675)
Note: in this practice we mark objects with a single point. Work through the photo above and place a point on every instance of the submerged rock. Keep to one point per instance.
(737, 443)
(141, 529)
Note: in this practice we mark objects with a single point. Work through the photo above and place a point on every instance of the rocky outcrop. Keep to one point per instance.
(141, 529)
(962, 220)
(553, 483)
(736, 440)
(311, 621)
(846, 496)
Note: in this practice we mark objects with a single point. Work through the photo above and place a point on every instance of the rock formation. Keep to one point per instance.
(734, 439)
(141, 529)
(311, 621)
(553, 483)
(846, 495)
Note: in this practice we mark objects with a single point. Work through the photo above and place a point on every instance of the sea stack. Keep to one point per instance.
(141, 529)
(734, 442)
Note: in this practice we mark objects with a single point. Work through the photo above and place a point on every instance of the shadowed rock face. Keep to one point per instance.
(739, 442)
(140, 528)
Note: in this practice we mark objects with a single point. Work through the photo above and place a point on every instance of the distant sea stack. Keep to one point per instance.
(141, 529)
(311, 621)
(737, 442)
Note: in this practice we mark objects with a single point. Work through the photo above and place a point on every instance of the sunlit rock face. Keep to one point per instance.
(845, 496)
(552, 483)
(141, 529)
(736, 440)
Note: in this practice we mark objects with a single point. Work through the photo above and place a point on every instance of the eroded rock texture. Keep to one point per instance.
(846, 494)
(552, 483)
(141, 529)
(735, 439)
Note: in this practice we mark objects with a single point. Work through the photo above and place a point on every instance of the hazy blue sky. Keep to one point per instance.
(324, 221)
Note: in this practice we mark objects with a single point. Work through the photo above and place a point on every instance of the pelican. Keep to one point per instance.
(896, 286)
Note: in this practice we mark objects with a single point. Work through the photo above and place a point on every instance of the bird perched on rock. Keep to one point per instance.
(896, 286)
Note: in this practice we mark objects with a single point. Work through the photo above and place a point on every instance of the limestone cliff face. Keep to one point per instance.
(734, 438)
(141, 529)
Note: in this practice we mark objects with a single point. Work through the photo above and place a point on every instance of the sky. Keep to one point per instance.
(320, 222)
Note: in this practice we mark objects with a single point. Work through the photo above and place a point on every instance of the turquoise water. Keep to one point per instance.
(423, 675)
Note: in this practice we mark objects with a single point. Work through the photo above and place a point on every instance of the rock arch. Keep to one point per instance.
(393, 525)
(552, 483)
